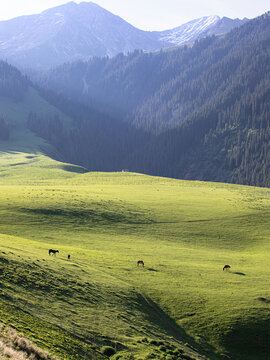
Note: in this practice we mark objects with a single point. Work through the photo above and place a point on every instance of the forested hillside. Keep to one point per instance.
(78, 134)
(13, 85)
(195, 113)
(227, 138)
(95, 140)
(214, 96)
(157, 91)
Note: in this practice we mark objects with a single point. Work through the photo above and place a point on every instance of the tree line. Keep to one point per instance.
(207, 105)
(199, 112)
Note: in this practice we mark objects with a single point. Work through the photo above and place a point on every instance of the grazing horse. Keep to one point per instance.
(51, 251)
(226, 267)
(140, 262)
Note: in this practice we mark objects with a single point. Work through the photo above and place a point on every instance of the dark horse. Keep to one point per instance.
(140, 262)
(51, 251)
(226, 267)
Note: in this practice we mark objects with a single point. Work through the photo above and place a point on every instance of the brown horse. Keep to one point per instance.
(140, 262)
(226, 267)
(51, 251)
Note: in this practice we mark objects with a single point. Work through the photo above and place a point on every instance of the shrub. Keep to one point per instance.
(145, 340)
(160, 343)
(187, 357)
(107, 350)
(162, 348)
(170, 357)
(124, 357)
(179, 351)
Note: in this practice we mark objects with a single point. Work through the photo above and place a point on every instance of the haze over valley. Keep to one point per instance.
(73, 32)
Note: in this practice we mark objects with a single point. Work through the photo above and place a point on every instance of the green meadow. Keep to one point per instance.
(180, 305)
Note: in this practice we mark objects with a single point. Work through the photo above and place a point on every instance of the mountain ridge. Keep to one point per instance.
(187, 98)
(73, 32)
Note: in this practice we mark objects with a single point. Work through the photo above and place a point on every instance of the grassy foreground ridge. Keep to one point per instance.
(181, 305)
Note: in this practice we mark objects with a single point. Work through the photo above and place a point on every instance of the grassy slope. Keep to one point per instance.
(16, 112)
(184, 231)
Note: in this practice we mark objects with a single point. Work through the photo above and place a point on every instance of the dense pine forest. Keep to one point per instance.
(195, 112)
(12, 85)
(207, 104)
(157, 91)
(227, 138)
(94, 140)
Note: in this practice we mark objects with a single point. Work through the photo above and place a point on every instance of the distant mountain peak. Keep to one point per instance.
(73, 6)
(68, 5)
(201, 27)
(79, 31)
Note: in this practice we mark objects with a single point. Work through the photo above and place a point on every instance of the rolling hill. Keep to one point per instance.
(181, 305)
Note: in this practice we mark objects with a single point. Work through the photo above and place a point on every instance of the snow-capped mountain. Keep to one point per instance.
(190, 31)
(198, 28)
(70, 32)
(79, 31)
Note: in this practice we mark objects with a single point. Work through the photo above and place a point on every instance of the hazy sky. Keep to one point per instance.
(149, 14)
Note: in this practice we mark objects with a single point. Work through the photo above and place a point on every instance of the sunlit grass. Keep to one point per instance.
(185, 232)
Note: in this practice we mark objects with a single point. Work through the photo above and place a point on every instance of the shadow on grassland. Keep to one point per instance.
(249, 341)
(75, 169)
(102, 213)
(158, 319)
(239, 273)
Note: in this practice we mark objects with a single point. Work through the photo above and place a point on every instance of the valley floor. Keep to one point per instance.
(180, 305)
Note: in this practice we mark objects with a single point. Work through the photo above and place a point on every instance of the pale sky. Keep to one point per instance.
(149, 14)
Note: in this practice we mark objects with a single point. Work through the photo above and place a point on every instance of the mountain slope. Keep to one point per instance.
(154, 91)
(181, 305)
(199, 28)
(79, 31)
(204, 92)
(18, 99)
(67, 33)
(44, 122)
(227, 137)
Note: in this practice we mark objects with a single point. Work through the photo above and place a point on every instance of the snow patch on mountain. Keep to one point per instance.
(74, 32)
(190, 31)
